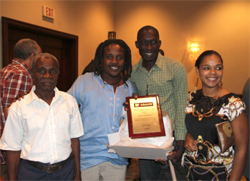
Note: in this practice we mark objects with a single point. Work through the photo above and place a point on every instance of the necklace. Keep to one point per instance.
(204, 107)
(201, 115)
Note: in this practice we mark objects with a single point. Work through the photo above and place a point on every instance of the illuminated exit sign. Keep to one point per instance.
(48, 12)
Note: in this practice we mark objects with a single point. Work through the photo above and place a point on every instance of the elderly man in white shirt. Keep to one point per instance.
(42, 129)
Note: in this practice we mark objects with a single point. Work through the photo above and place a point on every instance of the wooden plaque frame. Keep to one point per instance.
(145, 117)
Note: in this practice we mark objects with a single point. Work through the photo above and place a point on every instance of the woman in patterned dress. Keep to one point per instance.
(206, 107)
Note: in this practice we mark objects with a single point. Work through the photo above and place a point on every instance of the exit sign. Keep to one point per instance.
(48, 12)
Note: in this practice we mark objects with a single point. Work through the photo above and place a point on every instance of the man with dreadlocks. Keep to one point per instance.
(101, 95)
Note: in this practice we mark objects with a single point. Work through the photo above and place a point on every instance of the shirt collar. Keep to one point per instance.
(103, 83)
(32, 96)
(100, 80)
(158, 64)
(20, 62)
(160, 61)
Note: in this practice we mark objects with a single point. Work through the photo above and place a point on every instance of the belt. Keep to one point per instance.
(50, 168)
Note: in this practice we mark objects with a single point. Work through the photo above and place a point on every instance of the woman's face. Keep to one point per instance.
(210, 71)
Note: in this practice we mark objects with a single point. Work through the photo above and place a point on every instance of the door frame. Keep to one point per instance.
(8, 23)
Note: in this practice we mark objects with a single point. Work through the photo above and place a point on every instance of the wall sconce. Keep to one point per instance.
(193, 47)
(194, 50)
(191, 53)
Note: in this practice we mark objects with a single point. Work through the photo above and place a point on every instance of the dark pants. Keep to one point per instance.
(28, 172)
(149, 169)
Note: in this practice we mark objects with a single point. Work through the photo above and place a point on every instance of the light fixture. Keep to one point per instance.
(193, 47)
(191, 53)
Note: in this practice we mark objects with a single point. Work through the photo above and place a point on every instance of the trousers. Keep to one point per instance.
(28, 172)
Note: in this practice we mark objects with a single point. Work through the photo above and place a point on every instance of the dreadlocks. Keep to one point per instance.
(127, 60)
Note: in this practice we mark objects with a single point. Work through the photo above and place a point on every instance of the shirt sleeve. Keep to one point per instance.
(75, 88)
(180, 97)
(15, 84)
(12, 137)
(76, 122)
(233, 109)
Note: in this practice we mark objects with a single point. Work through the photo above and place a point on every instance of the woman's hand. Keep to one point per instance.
(190, 144)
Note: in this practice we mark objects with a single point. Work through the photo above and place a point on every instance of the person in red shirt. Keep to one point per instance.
(15, 77)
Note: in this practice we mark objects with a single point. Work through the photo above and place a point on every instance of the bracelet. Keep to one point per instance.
(178, 147)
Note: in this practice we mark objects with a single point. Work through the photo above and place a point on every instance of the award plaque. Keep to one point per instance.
(145, 117)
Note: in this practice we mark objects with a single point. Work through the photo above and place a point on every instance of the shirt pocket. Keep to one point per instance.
(34, 124)
(62, 120)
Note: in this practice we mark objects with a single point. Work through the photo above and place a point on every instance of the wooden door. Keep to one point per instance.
(63, 46)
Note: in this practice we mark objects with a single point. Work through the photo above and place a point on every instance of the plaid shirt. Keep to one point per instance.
(168, 79)
(14, 78)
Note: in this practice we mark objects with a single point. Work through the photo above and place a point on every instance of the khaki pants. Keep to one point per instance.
(105, 171)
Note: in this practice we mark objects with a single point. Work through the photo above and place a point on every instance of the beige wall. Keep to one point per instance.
(219, 25)
(89, 20)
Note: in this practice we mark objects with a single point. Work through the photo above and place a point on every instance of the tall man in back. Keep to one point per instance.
(15, 78)
(157, 74)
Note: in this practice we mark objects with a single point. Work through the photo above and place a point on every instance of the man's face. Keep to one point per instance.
(112, 62)
(45, 74)
(148, 44)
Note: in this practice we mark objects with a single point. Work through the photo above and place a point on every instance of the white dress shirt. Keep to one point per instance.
(42, 132)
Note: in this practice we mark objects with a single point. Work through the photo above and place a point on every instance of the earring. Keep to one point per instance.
(196, 84)
(221, 84)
